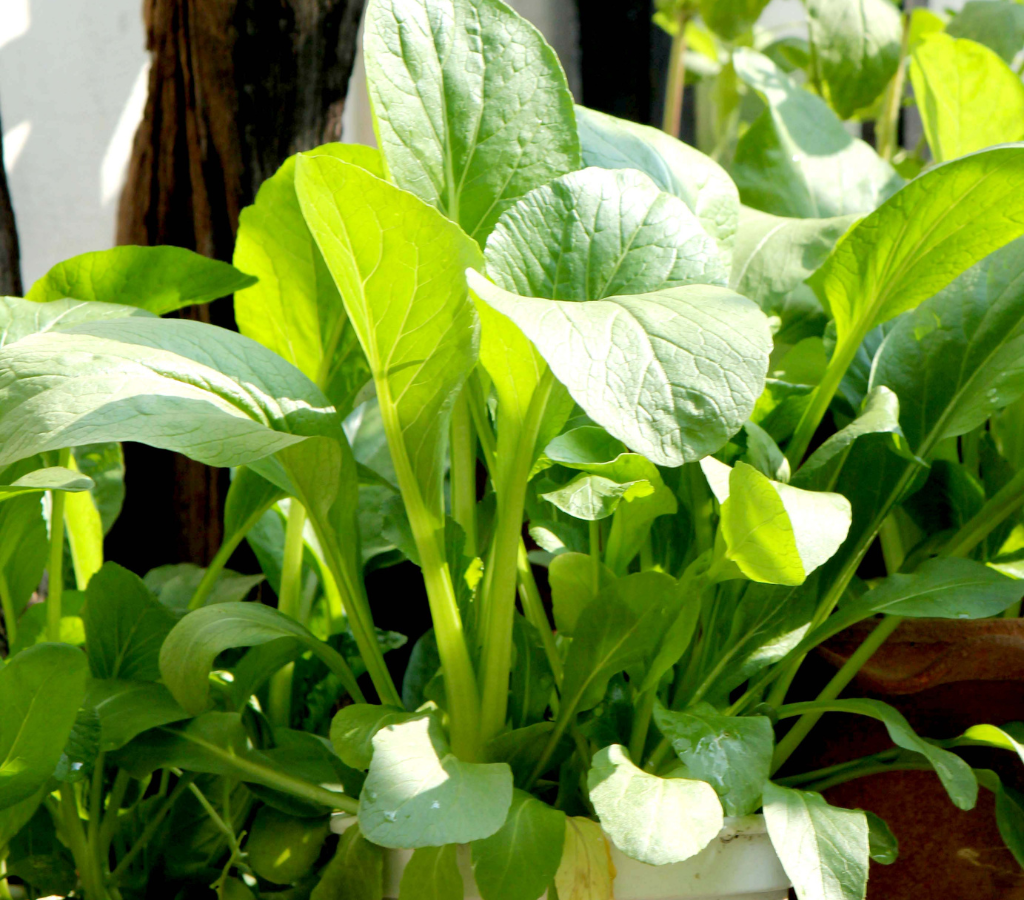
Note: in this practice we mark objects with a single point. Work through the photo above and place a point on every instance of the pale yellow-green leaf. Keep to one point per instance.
(586, 871)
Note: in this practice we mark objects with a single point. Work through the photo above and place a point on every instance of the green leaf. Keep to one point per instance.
(775, 254)
(354, 726)
(471, 105)
(356, 871)
(412, 314)
(1009, 812)
(857, 43)
(797, 159)
(593, 497)
(776, 533)
(575, 579)
(127, 708)
(823, 849)
(996, 24)
(675, 167)
(956, 359)
(968, 97)
(432, 874)
(20, 318)
(672, 374)
(731, 18)
(41, 689)
(419, 794)
(53, 478)
(955, 774)
(295, 308)
(81, 748)
(996, 737)
(654, 820)
(732, 753)
(125, 626)
(620, 628)
(519, 861)
(282, 848)
(104, 464)
(882, 843)
(156, 279)
(175, 585)
(188, 653)
(921, 239)
(586, 871)
(598, 233)
(180, 385)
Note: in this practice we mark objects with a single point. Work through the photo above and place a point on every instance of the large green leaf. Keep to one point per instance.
(797, 159)
(519, 861)
(356, 870)
(675, 167)
(353, 728)
(52, 478)
(41, 689)
(672, 374)
(775, 254)
(19, 318)
(188, 653)
(419, 794)
(175, 585)
(957, 358)
(857, 45)
(471, 105)
(823, 849)
(575, 580)
(955, 774)
(127, 708)
(731, 18)
(774, 532)
(598, 233)
(176, 384)
(295, 308)
(432, 874)
(283, 848)
(157, 279)
(125, 626)
(399, 266)
(968, 97)
(733, 754)
(995, 23)
(916, 243)
(654, 820)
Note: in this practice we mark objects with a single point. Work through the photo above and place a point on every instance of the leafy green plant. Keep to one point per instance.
(523, 334)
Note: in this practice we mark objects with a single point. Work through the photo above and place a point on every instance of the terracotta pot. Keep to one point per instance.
(944, 676)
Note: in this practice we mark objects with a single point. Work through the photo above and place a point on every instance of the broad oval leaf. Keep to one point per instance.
(471, 105)
(919, 240)
(519, 861)
(188, 653)
(797, 159)
(127, 708)
(419, 794)
(732, 753)
(433, 873)
(19, 318)
(295, 308)
(575, 579)
(997, 25)
(731, 18)
(824, 849)
(857, 44)
(594, 497)
(958, 357)
(672, 374)
(586, 871)
(357, 869)
(353, 728)
(968, 97)
(176, 384)
(157, 279)
(41, 689)
(598, 233)
(675, 167)
(283, 848)
(52, 478)
(654, 820)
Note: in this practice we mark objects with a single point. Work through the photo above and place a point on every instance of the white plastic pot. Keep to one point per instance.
(740, 864)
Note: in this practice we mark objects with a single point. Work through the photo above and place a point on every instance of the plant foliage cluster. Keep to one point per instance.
(527, 334)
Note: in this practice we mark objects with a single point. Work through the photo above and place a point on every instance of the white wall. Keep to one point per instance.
(72, 90)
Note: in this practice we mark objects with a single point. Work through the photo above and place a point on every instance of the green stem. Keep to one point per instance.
(889, 121)
(151, 828)
(533, 607)
(56, 564)
(995, 511)
(641, 725)
(279, 707)
(463, 471)
(88, 869)
(10, 613)
(478, 411)
(676, 86)
(832, 690)
(110, 815)
(893, 551)
(96, 803)
(803, 778)
(500, 581)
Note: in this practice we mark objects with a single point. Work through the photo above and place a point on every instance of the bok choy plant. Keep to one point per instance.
(521, 336)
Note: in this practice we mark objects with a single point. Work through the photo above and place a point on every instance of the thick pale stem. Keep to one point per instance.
(463, 471)
(835, 687)
(676, 86)
(500, 582)
(288, 602)
(55, 568)
(87, 864)
(641, 725)
(533, 607)
(888, 125)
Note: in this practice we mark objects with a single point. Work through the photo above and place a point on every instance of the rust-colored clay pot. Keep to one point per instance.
(944, 676)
